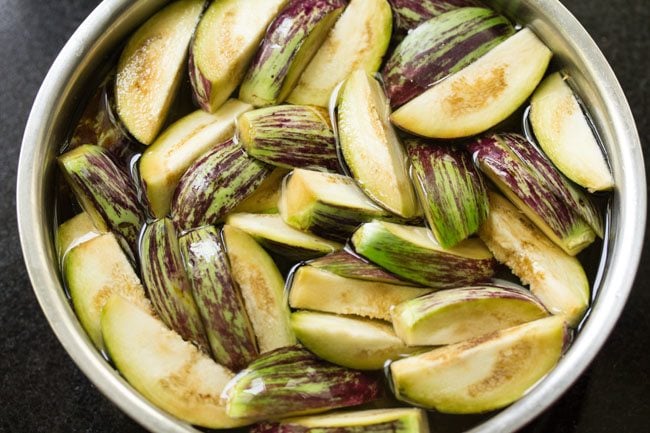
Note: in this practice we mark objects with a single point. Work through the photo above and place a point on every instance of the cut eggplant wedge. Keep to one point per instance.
(224, 44)
(315, 289)
(151, 67)
(73, 232)
(218, 299)
(171, 373)
(480, 95)
(359, 39)
(329, 205)
(481, 374)
(289, 136)
(349, 341)
(164, 162)
(511, 162)
(370, 147)
(266, 196)
(278, 237)
(413, 254)
(556, 279)
(291, 41)
(454, 315)
(565, 135)
(291, 381)
(262, 288)
(94, 271)
(401, 420)
(409, 14)
(439, 47)
(451, 190)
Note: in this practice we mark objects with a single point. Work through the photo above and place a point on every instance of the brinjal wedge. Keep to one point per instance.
(167, 284)
(329, 205)
(105, 192)
(484, 373)
(409, 14)
(280, 238)
(439, 47)
(454, 315)
(266, 196)
(75, 231)
(151, 67)
(349, 341)
(401, 420)
(359, 39)
(94, 271)
(289, 136)
(311, 288)
(217, 298)
(214, 184)
(262, 289)
(224, 44)
(451, 190)
(164, 162)
(564, 133)
(370, 147)
(291, 381)
(523, 174)
(556, 278)
(413, 254)
(168, 371)
(480, 95)
(291, 41)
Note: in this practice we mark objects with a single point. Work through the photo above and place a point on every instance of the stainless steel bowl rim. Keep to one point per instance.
(625, 241)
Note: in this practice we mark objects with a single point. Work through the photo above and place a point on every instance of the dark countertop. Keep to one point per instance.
(41, 390)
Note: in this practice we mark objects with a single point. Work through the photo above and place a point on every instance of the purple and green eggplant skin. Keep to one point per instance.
(290, 136)
(214, 184)
(167, 284)
(277, 65)
(408, 14)
(451, 189)
(503, 157)
(201, 86)
(440, 47)
(292, 381)
(218, 300)
(349, 265)
(105, 191)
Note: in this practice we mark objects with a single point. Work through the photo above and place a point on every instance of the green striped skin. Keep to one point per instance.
(167, 284)
(218, 299)
(425, 262)
(400, 420)
(409, 14)
(214, 184)
(290, 136)
(105, 191)
(291, 381)
(531, 190)
(291, 41)
(349, 265)
(440, 47)
(451, 190)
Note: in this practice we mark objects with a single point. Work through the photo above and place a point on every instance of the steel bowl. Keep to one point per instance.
(107, 26)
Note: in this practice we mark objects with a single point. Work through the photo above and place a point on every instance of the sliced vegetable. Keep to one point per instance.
(408, 14)
(266, 196)
(73, 232)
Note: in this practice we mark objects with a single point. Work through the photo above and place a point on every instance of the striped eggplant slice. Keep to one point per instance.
(214, 184)
(399, 420)
(105, 191)
(167, 284)
(326, 204)
(266, 196)
(291, 381)
(413, 254)
(454, 315)
(408, 14)
(73, 232)
(439, 47)
(218, 298)
(510, 161)
(347, 264)
(290, 136)
(291, 41)
(451, 190)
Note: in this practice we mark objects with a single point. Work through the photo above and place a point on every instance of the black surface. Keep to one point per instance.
(41, 390)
